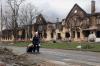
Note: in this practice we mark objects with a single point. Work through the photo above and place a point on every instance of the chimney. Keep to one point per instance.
(92, 7)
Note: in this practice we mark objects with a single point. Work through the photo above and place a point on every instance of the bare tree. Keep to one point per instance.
(27, 16)
(16, 13)
(14, 7)
(1, 18)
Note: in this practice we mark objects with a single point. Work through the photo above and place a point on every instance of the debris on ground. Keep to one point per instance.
(10, 59)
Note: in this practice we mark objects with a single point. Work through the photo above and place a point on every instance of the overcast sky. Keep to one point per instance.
(53, 9)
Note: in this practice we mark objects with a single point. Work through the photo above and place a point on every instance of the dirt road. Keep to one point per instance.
(81, 58)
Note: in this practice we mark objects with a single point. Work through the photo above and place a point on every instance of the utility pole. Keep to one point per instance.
(57, 20)
(1, 21)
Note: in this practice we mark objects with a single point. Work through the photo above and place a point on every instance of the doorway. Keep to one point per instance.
(59, 36)
(98, 34)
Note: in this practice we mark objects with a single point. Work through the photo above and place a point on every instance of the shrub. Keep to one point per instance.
(87, 46)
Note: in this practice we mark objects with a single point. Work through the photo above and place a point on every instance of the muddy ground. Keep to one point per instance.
(10, 59)
(47, 57)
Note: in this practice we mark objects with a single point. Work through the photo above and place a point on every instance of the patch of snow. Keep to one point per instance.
(97, 40)
(79, 47)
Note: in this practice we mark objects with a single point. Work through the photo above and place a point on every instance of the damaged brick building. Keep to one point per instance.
(77, 25)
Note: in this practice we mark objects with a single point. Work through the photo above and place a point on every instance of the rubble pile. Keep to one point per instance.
(11, 59)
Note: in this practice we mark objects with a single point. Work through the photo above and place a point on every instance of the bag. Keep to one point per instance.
(30, 48)
(31, 45)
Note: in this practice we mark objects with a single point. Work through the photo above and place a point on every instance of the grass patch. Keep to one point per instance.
(22, 44)
(95, 47)
(53, 45)
(59, 45)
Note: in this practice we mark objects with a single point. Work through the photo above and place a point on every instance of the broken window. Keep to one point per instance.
(59, 36)
(52, 35)
(75, 11)
(67, 35)
(78, 34)
(40, 35)
(45, 35)
(98, 34)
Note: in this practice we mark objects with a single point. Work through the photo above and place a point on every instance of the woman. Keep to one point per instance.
(36, 43)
